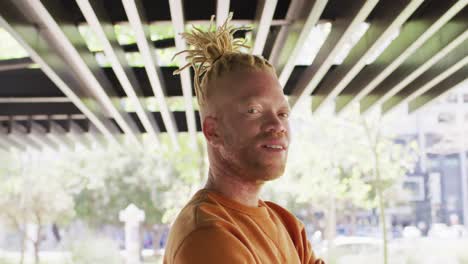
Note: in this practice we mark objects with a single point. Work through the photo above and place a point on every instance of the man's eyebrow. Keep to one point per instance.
(254, 99)
(250, 98)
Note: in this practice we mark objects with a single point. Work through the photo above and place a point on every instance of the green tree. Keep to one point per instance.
(157, 180)
(332, 164)
(34, 194)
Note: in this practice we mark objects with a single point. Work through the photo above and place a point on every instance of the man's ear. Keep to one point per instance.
(210, 130)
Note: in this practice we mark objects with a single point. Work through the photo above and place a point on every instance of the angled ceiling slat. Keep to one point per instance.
(412, 36)
(178, 22)
(451, 37)
(94, 137)
(39, 135)
(64, 35)
(104, 30)
(41, 96)
(389, 17)
(222, 11)
(449, 53)
(19, 134)
(7, 143)
(264, 16)
(76, 133)
(439, 87)
(291, 38)
(137, 19)
(58, 135)
(51, 65)
(342, 29)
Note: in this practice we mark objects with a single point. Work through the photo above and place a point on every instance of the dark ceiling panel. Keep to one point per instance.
(156, 10)
(38, 109)
(27, 83)
(243, 9)
(34, 83)
(429, 8)
(200, 9)
(293, 79)
(135, 118)
(281, 9)
(336, 8)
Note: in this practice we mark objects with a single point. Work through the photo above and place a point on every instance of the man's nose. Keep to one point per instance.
(275, 124)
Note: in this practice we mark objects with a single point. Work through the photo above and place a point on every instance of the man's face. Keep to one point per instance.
(252, 121)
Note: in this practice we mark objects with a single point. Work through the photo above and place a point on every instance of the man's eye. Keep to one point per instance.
(252, 111)
(285, 115)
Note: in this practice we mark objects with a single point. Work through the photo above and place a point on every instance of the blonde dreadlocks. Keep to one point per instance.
(215, 53)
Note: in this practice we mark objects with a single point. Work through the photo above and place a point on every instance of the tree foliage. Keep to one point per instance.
(331, 164)
(158, 181)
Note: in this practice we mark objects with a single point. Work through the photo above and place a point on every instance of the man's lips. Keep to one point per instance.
(277, 145)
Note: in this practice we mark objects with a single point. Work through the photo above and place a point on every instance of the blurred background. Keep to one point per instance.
(100, 145)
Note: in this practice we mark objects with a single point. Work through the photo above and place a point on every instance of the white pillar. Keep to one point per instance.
(132, 217)
(31, 236)
(462, 153)
(421, 142)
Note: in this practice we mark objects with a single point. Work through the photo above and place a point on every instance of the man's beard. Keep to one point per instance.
(246, 158)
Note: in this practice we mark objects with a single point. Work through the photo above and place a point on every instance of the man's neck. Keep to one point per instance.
(234, 188)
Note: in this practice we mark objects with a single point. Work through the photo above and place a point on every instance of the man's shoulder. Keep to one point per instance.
(288, 218)
(200, 218)
(199, 212)
(209, 244)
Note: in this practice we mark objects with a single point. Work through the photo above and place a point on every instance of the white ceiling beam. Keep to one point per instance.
(222, 11)
(39, 134)
(439, 85)
(57, 134)
(7, 143)
(397, 95)
(362, 88)
(387, 23)
(52, 31)
(76, 135)
(303, 17)
(19, 100)
(137, 20)
(104, 30)
(95, 137)
(178, 22)
(293, 14)
(53, 67)
(19, 134)
(264, 16)
(342, 29)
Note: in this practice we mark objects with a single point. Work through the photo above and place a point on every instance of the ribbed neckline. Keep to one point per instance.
(260, 211)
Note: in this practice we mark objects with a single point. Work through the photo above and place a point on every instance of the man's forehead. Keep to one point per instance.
(263, 97)
(248, 86)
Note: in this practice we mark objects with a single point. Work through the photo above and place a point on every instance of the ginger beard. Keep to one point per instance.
(251, 160)
(245, 136)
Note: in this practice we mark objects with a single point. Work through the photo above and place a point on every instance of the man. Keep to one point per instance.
(245, 122)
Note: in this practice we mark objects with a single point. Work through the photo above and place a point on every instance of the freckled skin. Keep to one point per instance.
(246, 111)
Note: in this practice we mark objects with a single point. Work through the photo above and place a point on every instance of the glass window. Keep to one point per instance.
(451, 98)
(446, 118)
(465, 98)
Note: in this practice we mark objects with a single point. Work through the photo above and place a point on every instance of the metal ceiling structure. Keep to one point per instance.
(412, 52)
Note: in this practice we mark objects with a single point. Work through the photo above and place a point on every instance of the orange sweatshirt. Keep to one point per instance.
(214, 229)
